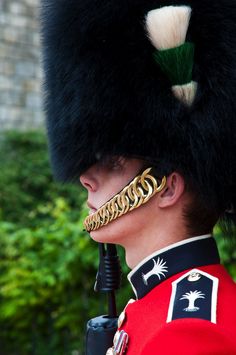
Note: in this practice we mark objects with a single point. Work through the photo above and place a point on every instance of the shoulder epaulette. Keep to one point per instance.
(194, 295)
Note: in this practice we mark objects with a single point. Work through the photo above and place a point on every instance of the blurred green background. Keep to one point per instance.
(48, 264)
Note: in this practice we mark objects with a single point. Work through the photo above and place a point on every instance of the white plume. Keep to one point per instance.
(167, 27)
(186, 93)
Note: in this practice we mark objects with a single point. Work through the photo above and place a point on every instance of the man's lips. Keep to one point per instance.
(92, 209)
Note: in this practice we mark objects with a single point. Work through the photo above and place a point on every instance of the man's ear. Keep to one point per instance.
(173, 191)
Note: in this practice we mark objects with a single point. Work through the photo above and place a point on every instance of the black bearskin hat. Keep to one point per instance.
(108, 91)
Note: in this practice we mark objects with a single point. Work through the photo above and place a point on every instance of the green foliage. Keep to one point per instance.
(227, 249)
(45, 278)
(47, 263)
(26, 181)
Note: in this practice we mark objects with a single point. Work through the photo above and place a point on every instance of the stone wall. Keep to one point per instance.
(20, 69)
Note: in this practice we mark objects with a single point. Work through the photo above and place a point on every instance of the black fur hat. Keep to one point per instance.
(106, 94)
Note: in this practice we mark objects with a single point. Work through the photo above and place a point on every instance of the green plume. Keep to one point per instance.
(177, 63)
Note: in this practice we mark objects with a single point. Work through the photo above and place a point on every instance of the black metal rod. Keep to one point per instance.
(112, 311)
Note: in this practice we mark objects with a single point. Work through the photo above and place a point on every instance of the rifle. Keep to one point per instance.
(101, 330)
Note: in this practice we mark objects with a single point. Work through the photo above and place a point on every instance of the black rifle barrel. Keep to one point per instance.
(101, 330)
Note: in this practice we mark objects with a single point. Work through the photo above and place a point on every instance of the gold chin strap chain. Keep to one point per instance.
(136, 193)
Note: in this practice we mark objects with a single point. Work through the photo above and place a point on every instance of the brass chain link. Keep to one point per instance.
(136, 193)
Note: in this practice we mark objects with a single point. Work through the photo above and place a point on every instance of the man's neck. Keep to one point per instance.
(147, 244)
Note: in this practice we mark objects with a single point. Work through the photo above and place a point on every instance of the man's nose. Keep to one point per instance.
(89, 181)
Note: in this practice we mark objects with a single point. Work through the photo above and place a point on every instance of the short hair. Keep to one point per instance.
(200, 216)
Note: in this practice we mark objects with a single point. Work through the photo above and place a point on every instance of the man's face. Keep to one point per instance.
(152, 226)
(103, 181)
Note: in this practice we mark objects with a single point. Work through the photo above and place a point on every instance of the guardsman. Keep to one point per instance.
(140, 103)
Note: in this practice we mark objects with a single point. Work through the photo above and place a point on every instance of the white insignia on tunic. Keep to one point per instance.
(158, 269)
(192, 296)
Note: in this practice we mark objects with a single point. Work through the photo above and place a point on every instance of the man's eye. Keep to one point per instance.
(113, 163)
(117, 163)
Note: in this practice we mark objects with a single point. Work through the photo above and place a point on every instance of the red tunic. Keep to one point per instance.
(188, 312)
(149, 333)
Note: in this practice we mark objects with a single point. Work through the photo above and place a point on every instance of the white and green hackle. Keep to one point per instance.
(167, 29)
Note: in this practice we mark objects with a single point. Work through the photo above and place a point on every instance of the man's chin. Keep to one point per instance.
(111, 233)
(101, 235)
(97, 236)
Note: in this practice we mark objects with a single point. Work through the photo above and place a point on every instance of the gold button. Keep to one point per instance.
(194, 276)
(121, 319)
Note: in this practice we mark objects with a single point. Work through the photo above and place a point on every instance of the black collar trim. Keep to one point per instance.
(161, 265)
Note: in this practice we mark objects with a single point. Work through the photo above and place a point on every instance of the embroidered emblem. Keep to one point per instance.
(159, 269)
(199, 291)
(192, 296)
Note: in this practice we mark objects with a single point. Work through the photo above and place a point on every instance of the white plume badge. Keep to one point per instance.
(167, 29)
(159, 269)
(192, 296)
